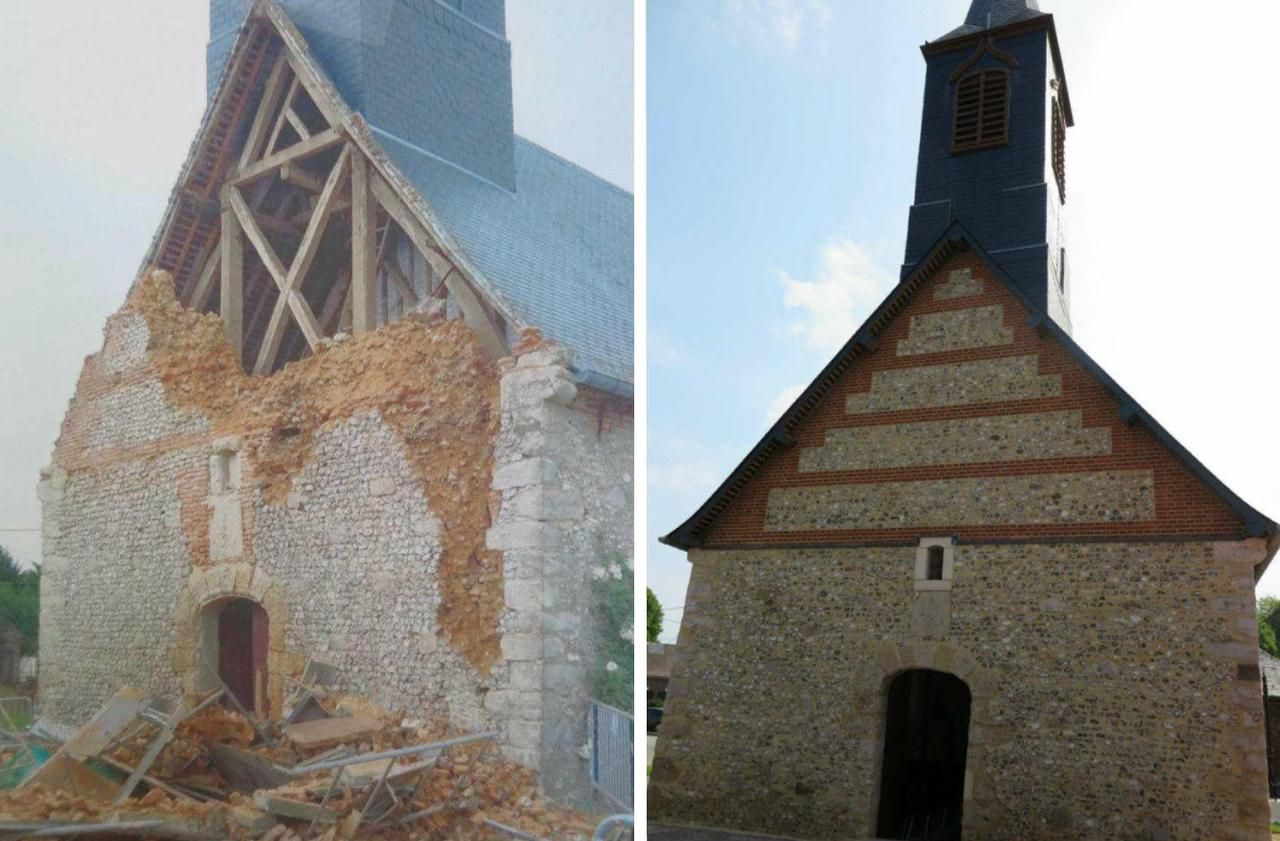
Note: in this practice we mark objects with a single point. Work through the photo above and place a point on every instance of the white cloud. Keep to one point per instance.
(782, 402)
(785, 24)
(849, 285)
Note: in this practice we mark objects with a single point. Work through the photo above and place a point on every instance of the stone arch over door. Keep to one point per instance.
(209, 586)
(892, 659)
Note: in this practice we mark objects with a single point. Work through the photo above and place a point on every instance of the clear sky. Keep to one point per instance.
(100, 103)
(782, 145)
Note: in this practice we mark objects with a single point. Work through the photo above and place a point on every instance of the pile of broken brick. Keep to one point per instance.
(335, 767)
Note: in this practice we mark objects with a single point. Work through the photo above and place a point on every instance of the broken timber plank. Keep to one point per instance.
(153, 750)
(245, 770)
(270, 95)
(286, 807)
(107, 723)
(154, 782)
(326, 732)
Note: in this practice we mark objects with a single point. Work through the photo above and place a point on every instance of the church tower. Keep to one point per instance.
(992, 147)
(432, 75)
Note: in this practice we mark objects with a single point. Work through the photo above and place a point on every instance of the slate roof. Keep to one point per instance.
(955, 237)
(1270, 667)
(556, 252)
(558, 249)
(990, 14)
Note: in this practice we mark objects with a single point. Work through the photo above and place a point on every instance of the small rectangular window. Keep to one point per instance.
(934, 564)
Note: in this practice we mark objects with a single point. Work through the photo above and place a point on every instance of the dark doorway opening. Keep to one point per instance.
(925, 740)
(242, 652)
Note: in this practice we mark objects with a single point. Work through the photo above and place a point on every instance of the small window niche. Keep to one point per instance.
(224, 469)
(935, 563)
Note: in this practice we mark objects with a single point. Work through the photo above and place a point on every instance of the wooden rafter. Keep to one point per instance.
(282, 117)
(364, 255)
(293, 174)
(270, 94)
(297, 304)
(304, 149)
(315, 90)
(473, 309)
(231, 294)
(204, 284)
(402, 284)
(290, 294)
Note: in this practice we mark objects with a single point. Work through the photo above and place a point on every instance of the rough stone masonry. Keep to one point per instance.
(1095, 598)
(423, 518)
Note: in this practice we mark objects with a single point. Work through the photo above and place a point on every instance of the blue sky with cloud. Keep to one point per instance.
(782, 150)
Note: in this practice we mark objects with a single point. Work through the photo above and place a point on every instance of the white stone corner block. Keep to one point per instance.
(523, 534)
(529, 471)
(544, 357)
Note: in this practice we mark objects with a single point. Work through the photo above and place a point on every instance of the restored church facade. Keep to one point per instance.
(966, 587)
(368, 402)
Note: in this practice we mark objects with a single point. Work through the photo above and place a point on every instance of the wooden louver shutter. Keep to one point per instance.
(982, 111)
(1060, 151)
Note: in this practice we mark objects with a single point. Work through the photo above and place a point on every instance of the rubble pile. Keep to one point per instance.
(333, 769)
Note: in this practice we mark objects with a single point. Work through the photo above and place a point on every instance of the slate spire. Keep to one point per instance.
(993, 147)
(988, 14)
(992, 14)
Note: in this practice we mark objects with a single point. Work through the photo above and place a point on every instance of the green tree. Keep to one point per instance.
(20, 599)
(653, 616)
(1269, 625)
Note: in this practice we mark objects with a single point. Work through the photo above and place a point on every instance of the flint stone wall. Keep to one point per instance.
(955, 384)
(1034, 435)
(137, 541)
(1106, 698)
(1099, 497)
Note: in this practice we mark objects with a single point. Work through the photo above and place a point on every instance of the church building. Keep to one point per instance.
(966, 587)
(368, 403)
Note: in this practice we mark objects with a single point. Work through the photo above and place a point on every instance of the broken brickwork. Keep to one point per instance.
(371, 497)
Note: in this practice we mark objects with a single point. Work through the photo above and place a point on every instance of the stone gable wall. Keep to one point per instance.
(1104, 677)
(964, 402)
(155, 507)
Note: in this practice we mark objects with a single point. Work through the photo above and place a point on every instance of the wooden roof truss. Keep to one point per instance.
(287, 229)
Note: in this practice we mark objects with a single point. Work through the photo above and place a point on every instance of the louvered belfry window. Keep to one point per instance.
(1060, 151)
(982, 111)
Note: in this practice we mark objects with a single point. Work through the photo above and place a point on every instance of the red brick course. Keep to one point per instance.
(1185, 506)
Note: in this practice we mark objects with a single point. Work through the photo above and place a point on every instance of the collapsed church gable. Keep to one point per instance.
(316, 430)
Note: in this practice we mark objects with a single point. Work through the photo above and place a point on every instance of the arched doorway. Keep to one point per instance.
(234, 643)
(926, 738)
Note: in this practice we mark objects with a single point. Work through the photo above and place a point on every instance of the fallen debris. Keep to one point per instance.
(327, 732)
(202, 771)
